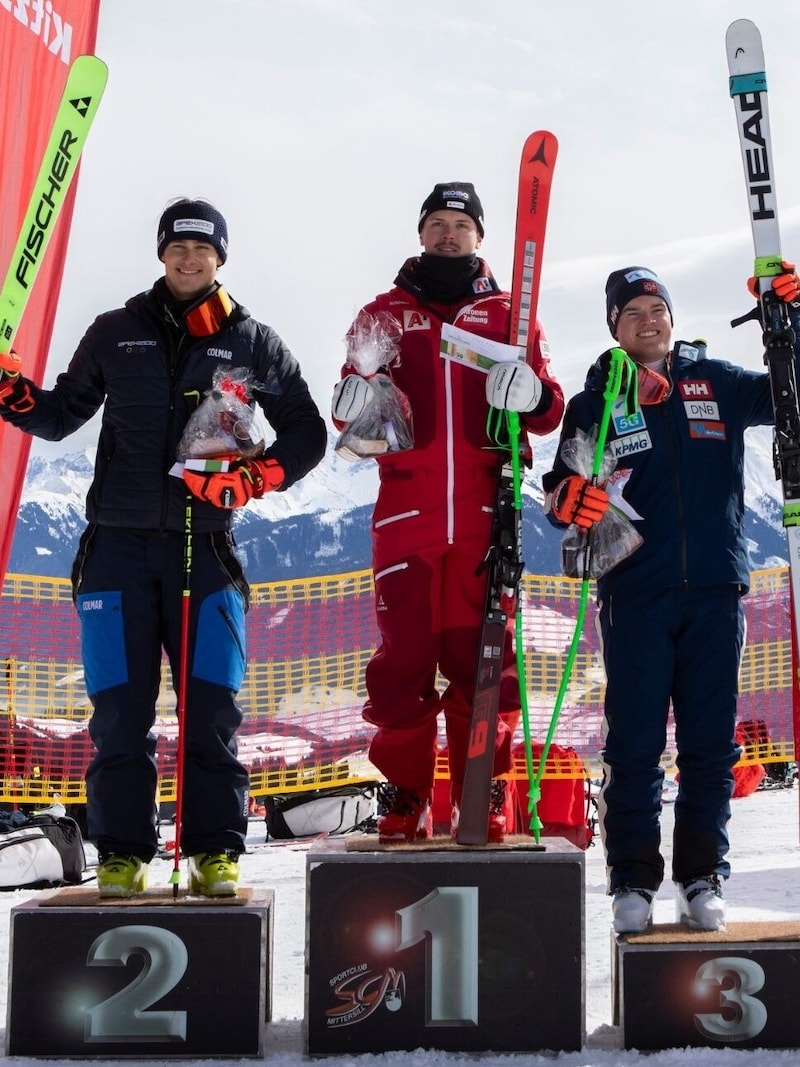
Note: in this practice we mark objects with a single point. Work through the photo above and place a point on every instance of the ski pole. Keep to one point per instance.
(620, 362)
(183, 678)
(513, 425)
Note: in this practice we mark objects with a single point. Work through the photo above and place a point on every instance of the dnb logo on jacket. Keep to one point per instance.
(702, 410)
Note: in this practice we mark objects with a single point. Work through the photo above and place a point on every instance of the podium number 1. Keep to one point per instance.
(447, 920)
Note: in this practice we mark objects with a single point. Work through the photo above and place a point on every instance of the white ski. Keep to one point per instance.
(748, 87)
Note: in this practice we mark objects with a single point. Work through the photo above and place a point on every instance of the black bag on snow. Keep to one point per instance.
(40, 851)
(339, 810)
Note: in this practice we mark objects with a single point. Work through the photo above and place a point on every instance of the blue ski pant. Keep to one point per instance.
(128, 587)
(682, 646)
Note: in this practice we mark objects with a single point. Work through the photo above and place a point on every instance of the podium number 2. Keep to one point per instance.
(745, 1016)
(124, 1016)
(448, 916)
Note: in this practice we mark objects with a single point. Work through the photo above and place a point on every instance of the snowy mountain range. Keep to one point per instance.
(321, 526)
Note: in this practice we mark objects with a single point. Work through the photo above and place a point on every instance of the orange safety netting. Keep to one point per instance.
(309, 642)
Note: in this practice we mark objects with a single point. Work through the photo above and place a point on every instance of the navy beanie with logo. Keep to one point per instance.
(625, 285)
(453, 196)
(193, 220)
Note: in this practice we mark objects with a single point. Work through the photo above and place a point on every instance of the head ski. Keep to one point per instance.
(748, 87)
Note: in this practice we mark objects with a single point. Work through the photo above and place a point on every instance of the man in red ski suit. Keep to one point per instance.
(432, 524)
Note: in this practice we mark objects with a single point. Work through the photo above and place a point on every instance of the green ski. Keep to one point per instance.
(82, 93)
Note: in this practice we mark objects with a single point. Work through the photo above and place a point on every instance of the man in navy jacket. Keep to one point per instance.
(670, 614)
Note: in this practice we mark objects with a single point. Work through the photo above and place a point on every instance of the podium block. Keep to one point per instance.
(146, 977)
(674, 987)
(444, 947)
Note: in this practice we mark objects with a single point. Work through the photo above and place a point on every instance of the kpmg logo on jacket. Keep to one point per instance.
(628, 446)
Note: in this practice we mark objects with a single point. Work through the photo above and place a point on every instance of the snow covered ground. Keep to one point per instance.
(765, 885)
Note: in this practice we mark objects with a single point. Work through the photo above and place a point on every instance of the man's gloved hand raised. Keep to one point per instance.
(244, 480)
(576, 500)
(513, 386)
(786, 285)
(15, 393)
(350, 397)
(10, 365)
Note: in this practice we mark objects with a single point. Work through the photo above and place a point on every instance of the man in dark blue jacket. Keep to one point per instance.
(149, 365)
(669, 614)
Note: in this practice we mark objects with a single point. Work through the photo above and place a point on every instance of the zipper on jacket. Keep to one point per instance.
(449, 444)
(174, 360)
(666, 419)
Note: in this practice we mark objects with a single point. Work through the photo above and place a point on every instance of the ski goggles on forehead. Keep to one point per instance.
(208, 315)
(652, 387)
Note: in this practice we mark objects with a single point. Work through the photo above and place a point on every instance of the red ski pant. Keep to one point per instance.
(429, 611)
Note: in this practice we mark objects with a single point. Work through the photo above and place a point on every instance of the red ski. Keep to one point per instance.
(504, 564)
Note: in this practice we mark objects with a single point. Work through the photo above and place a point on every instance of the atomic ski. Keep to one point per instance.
(504, 563)
(84, 87)
(748, 87)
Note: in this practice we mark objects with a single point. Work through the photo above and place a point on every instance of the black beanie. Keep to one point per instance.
(625, 285)
(193, 220)
(453, 196)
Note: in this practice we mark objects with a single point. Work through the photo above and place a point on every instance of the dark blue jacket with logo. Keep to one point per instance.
(149, 378)
(685, 461)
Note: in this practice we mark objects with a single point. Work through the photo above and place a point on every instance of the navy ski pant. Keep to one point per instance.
(128, 587)
(682, 645)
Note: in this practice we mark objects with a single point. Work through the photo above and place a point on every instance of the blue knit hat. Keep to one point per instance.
(193, 220)
(625, 285)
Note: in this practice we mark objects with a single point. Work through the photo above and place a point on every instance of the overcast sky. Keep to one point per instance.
(318, 127)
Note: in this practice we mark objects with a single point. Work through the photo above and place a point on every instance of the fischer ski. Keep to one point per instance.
(504, 562)
(748, 87)
(83, 90)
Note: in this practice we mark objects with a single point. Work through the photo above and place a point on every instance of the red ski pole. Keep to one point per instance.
(183, 679)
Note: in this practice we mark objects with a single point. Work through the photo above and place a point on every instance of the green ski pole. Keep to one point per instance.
(620, 361)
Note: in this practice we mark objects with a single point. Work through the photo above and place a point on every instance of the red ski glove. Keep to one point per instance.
(576, 500)
(10, 365)
(15, 393)
(786, 285)
(246, 479)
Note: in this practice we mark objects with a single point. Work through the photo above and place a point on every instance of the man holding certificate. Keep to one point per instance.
(443, 331)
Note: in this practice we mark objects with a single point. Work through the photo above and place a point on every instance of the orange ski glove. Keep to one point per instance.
(244, 480)
(786, 285)
(576, 500)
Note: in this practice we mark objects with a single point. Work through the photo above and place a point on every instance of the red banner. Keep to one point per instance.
(38, 41)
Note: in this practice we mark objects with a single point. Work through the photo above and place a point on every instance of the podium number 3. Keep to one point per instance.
(745, 1016)
(124, 1016)
(447, 918)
